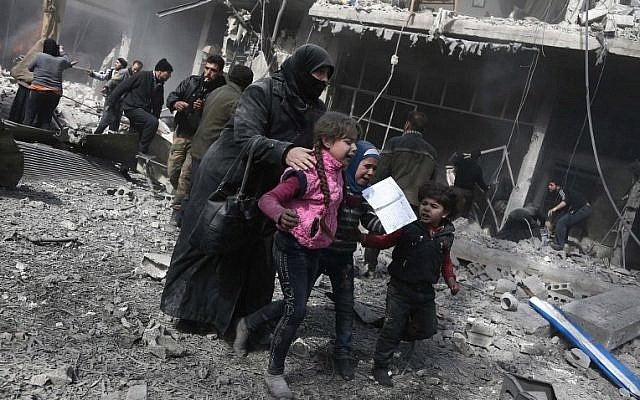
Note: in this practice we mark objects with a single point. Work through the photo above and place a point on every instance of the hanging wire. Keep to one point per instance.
(393, 68)
(592, 135)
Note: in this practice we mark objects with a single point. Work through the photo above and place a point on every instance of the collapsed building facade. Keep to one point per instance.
(503, 77)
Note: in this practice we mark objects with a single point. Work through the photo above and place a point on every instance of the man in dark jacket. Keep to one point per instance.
(142, 97)
(187, 100)
(469, 177)
(411, 161)
(577, 209)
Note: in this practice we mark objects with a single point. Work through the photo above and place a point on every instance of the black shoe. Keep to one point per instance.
(345, 367)
(556, 246)
(382, 377)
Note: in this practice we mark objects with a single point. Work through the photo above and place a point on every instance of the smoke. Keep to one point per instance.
(91, 28)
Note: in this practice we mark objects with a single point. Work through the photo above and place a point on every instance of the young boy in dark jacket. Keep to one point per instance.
(421, 255)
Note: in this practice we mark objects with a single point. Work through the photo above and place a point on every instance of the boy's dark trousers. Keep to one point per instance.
(297, 270)
(145, 124)
(410, 315)
(339, 267)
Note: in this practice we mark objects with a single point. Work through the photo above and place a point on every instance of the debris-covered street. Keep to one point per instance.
(479, 156)
(84, 304)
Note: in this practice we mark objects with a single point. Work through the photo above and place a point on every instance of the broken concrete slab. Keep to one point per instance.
(536, 286)
(612, 318)
(504, 286)
(154, 265)
(468, 250)
(528, 320)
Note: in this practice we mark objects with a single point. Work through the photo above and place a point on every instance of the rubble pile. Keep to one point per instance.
(78, 293)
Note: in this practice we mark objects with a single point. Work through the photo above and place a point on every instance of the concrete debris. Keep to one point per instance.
(536, 286)
(577, 358)
(160, 343)
(533, 349)
(479, 333)
(137, 392)
(504, 286)
(154, 265)
(460, 343)
(612, 318)
(521, 388)
(59, 376)
(564, 289)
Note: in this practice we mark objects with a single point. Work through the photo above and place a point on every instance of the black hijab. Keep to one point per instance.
(297, 71)
(49, 46)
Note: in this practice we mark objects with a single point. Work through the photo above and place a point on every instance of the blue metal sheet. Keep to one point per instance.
(614, 369)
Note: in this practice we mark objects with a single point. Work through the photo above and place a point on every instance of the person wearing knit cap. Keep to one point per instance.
(142, 96)
(116, 75)
(187, 101)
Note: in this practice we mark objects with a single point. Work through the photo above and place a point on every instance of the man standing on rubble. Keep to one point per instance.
(578, 208)
(469, 177)
(142, 97)
(411, 161)
(187, 100)
(114, 76)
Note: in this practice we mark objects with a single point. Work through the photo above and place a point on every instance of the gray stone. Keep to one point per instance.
(535, 285)
(612, 318)
(527, 319)
(577, 358)
(137, 392)
(504, 286)
(564, 289)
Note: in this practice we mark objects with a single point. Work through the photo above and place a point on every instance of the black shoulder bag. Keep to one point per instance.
(227, 223)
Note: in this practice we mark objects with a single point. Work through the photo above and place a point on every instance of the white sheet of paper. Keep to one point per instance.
(390, 205)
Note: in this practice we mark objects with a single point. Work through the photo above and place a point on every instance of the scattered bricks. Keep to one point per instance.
(508, 302)
(154, 265)
(504, 286)
(479, 333)
(535, 285)
(564, 289)
(612, 318)
(476, 270)
(62, 376)
(577, 358)
(559, 298)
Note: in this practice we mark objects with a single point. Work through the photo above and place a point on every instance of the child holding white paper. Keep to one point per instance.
(421, 255)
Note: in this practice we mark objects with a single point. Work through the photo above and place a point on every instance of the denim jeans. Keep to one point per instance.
(568, 220)
(297, 270)
(339, 268)
(110, 118)
(410, 315)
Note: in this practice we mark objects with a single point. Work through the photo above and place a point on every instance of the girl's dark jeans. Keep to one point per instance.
(339, 267)
(297, 270)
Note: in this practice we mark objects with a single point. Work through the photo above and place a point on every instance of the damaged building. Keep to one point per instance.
(503, 77)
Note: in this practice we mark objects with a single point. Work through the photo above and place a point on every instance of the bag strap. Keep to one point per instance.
(249, 147)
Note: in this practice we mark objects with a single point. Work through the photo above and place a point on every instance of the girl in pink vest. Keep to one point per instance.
(305, 208)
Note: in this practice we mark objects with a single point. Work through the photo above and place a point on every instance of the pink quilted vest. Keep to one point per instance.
(310, 206)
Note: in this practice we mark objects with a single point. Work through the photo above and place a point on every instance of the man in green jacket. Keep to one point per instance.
(217, 110)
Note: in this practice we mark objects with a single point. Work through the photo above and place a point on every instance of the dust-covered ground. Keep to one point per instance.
(76, 321)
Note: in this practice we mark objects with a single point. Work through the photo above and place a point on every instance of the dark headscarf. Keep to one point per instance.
(51, 47)
(364, 150)
(297, 71)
